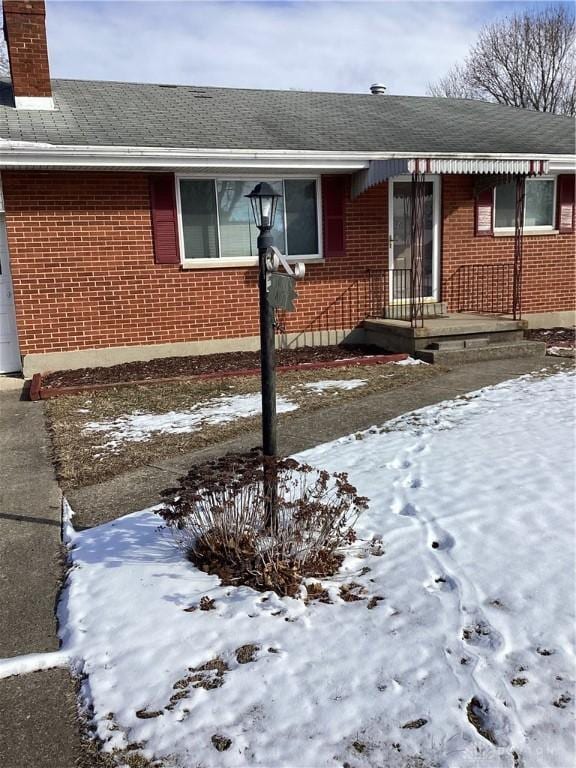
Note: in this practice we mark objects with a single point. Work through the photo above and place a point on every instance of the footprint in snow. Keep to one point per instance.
(441, 583)
(442, 541)
(419, 448)
(481, 634)
(488, 721)
(412, 482)
(398, 463)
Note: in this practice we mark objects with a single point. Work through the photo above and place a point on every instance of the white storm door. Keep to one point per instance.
(399, 217)
(9, 351)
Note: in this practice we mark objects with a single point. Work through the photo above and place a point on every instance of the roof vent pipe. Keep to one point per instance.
(377, 89)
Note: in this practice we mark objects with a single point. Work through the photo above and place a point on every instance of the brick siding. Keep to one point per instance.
(548, 275)
(25, 33)
(84, 273)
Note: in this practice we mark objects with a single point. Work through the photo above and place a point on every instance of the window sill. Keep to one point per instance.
(239, 263)
(527, 232)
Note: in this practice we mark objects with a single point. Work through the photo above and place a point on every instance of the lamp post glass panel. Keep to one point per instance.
(264, 201)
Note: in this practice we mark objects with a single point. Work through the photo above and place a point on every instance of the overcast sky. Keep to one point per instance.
(331, 46)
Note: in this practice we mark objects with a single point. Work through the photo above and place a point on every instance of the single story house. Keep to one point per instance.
(125, 233)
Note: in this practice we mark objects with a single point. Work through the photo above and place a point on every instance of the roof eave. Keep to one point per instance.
(31, 155)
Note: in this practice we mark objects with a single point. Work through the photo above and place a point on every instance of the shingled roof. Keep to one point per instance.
(98, 113)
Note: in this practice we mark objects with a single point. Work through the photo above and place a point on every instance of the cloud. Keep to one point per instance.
(332, 46)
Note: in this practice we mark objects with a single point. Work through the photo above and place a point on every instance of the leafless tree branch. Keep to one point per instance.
(4, 65)
(525, 60)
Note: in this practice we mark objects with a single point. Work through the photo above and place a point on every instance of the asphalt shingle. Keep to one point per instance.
(132, 114)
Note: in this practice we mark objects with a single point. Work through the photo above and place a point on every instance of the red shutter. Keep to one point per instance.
(164, 218)
(565, 195)
(484, 213)
(333, 204)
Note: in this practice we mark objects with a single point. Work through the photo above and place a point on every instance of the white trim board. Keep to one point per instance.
(44, 155)
(34, 102)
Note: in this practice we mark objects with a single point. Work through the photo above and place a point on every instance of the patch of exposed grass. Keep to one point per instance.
(81, 461)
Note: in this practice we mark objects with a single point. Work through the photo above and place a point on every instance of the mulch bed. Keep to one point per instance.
(218, 366)
(168, 367)
(554, 337)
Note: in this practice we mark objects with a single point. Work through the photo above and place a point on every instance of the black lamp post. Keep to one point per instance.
(264, 202)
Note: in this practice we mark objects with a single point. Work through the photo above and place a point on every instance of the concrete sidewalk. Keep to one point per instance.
(38, 721)
(140, 488)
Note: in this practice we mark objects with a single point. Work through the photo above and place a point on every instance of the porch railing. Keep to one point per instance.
(485, 289)
(391, 295)
(332, 324)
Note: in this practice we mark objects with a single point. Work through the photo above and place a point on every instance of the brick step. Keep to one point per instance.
(459, 356)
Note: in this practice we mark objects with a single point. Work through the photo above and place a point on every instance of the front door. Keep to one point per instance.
(9, 352)
(400, 208)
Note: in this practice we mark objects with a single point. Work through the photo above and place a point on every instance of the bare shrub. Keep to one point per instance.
(221, 516)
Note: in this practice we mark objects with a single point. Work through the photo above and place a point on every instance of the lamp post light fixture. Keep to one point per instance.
(264, 201)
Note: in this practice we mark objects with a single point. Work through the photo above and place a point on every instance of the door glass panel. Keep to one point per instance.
(402, 239)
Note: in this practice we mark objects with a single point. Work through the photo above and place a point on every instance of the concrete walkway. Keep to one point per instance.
(140, 488)
(38, 722)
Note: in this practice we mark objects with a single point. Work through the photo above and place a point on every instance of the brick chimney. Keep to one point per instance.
(25, 33)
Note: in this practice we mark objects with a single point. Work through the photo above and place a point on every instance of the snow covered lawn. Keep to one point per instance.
(465, 659)
(105, 433)
(139, 426)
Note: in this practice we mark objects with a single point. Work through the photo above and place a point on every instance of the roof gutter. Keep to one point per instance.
(19, 154)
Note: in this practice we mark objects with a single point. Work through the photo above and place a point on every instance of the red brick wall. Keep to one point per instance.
(548, 278)
(84, 273)
(25, 31)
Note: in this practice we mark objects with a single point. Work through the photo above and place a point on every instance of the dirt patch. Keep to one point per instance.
(208, 676)
(562, 701)
(247, 653)
(145, 714)
(478, 716)
(352, 592)
(221, 743)
(554, 337)
(413, 724)
(315, 591)
(82, 459)
(200, 364)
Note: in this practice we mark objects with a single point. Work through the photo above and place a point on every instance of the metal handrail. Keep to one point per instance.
(484, 288)
(391, 293)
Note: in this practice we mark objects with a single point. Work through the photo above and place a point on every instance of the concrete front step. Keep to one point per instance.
(467, 340)
(452, 325)
(454, 331)
(474, 354)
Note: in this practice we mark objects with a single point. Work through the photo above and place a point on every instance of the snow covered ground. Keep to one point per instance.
(139, 426)
(335, 384)
(467, 660)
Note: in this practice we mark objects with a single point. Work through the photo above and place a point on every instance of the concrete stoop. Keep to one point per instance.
(455, 339)
(476, 354)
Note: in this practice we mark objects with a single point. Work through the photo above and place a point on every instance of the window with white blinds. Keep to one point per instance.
(217, 223)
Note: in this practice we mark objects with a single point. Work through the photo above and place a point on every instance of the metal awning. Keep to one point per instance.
(382, 170)
(377, 172)
(475, 165)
